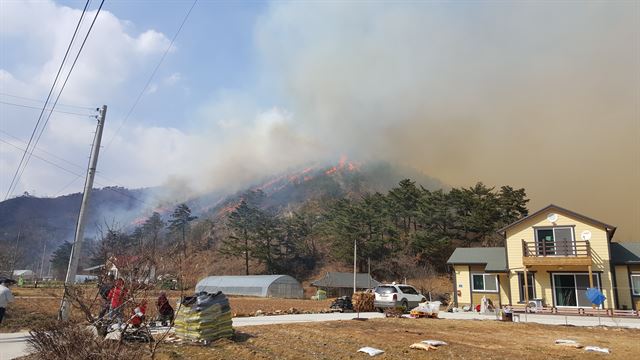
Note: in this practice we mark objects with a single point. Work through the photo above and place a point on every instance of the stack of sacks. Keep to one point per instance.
(204, 317)
(363, 301)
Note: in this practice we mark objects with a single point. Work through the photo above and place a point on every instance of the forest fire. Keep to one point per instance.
(343, 164)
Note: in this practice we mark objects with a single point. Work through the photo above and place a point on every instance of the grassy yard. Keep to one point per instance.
(467, 339)
(35, 306)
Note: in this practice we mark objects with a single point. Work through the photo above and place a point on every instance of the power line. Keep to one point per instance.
(38, 108)
(72, 172)
(44, 151)
(40, 101)
(61, 159)
(153, 73)
(44, 126)
(35, 128)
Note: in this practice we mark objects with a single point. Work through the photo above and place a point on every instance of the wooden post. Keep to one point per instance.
(526, 290)
(591, 284)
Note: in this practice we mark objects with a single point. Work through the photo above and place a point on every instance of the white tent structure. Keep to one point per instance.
(277, 286)
(25, 274)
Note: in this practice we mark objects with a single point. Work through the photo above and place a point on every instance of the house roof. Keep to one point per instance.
(494, 258)
(625, 253)
(609, 228)
(345, 280)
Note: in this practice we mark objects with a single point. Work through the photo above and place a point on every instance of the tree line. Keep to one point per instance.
(398, 233)
(409, 227)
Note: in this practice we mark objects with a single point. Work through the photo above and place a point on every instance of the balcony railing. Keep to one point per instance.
(578, 248)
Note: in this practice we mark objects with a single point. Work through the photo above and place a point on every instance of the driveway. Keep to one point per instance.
(13, 345)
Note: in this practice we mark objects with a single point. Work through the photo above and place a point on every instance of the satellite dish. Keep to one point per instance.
(585, 235)
(552, 217)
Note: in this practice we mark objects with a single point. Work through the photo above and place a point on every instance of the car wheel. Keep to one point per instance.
(380, 310)
(405, 305)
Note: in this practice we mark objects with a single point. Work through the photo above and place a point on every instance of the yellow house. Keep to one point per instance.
(555, 254)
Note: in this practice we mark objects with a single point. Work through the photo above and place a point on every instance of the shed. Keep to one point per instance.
(277, 286)
(341, 283)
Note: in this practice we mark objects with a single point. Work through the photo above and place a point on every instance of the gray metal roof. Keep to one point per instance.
(345, 280)
(250, 285)
(625, 253)
(495, 258)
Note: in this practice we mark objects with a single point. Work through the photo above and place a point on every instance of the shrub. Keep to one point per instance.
(68, 341)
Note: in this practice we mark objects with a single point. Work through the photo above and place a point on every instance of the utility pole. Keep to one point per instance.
(44, 251)
(369, 270)
(15, 253)
(65, 307)
(355, 253)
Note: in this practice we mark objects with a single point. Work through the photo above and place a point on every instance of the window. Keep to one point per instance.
(530, 286)
(408, 290)
(570, 289)
(386, 290)
(635, 284)
(484, 282)
(555, 241)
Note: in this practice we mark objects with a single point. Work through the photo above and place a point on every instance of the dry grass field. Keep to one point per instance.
(341, 339)
(467, 339)
(34, 306)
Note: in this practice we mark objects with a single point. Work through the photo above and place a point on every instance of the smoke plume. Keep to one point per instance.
(536, 95)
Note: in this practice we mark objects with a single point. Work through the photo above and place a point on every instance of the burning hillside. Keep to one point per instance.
(346, 178)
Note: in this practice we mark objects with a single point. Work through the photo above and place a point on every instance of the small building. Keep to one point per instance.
(24, 274)
(341, 283)
(550, 257)
(277, 286)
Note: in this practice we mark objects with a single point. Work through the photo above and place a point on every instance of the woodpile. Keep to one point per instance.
(363, 301)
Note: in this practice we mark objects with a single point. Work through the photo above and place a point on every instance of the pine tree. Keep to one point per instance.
(179, 223)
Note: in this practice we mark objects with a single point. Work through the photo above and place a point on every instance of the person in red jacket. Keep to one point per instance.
(116, 297)
(137, 314)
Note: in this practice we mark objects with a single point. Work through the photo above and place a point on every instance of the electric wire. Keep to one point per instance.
(153, 73)
(72, 172)
(59, 166)
(49, 109)
(44, 151)
(44, 126)
(35, 128)
(40, 101)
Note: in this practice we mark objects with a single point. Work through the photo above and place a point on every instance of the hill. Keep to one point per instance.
(37, 226)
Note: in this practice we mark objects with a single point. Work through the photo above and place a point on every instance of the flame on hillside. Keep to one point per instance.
(344, 164)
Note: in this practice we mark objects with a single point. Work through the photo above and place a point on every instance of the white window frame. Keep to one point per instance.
(553, 288)
(484, 275)
(553, 229)
(634, 291)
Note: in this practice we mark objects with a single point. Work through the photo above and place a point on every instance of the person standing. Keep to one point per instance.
(117, 296)
(5, 296)
(104, 291)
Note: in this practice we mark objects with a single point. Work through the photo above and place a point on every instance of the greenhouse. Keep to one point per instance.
(277, 286)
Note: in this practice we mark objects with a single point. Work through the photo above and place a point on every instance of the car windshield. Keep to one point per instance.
(386, 290)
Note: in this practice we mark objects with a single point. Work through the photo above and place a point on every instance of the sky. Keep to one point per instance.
(541, 95)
